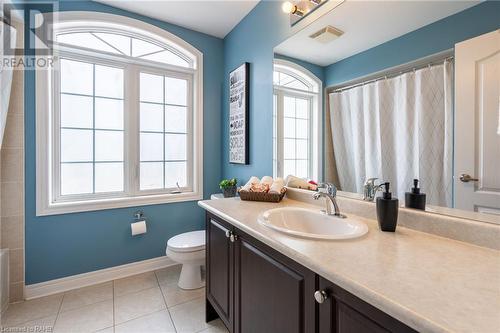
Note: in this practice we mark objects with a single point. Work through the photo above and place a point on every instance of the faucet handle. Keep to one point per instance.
(329, 188)
(371, 181)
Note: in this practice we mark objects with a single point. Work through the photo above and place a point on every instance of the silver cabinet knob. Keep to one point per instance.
(467, 178)
(228, 233)
(233, 238)
(320, 296)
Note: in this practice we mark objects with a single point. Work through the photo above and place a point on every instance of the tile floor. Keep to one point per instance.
(148, 302)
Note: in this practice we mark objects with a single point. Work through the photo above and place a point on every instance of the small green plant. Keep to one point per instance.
(226, 183)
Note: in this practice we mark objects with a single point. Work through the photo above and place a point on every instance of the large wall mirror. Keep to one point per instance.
(344, 117)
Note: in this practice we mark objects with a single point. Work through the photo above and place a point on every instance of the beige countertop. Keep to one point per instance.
(430, 283)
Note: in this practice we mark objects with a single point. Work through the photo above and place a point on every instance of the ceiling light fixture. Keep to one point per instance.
(290, 8)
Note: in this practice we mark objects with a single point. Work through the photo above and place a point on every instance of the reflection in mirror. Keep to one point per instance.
(296, 120)
(399, 122)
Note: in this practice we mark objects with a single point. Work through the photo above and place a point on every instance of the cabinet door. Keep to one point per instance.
(273, 294)
(219, 265)
(342, 312)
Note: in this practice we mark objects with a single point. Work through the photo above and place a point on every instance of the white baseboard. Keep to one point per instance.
(87, 279)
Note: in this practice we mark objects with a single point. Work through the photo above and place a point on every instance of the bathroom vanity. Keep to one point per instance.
(248, 280)
(261, 280)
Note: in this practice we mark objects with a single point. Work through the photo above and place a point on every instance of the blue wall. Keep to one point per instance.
(254, 38)
(63, 245)
(433, 38)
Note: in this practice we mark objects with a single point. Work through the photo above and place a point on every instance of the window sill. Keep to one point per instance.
(112, 203)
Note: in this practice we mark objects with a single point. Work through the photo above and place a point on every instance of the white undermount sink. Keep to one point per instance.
(308, 223)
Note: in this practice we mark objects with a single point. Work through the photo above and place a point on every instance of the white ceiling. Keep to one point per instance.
(366, 24)
(213, 17)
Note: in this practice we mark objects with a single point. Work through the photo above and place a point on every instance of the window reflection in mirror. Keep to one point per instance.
(296, 121)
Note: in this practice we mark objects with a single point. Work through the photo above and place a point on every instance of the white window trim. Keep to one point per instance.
(316, 113)
(45, 204)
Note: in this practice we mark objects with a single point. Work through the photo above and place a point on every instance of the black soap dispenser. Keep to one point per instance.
(415, 199)
(387, 210)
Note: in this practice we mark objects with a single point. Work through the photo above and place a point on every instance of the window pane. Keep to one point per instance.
(108, 177)
(302, 108)
(151, 117)
(87, 40)
(175, 119)
(76, 111)
(76, 178)
(140, 47)
(108, 145)
(291, 82)
(120, 42)
(289, 107)
(302, 129)
(108, 113)
(301, 170)
(76, 145)
(289, 127)
(175, 146)
(289, 148)
(77, 77)
(151, 147)
(301, 148)
(167, 57)
(151, 88)
(108, 81)
(175, 172)
(288, 168)
(175, 91)
(151, 176)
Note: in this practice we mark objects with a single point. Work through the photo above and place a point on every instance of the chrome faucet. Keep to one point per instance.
(329, 191)
(370, 189)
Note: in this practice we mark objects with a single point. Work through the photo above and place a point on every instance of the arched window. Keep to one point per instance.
(119, 116)
(296, 121)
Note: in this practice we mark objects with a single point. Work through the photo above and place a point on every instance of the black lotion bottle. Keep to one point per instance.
(387, 210)
(415, 199)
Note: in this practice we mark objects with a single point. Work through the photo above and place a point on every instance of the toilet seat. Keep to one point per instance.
(187, 242)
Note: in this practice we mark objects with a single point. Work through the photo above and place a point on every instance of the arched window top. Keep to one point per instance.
(287, 74)
(123, 37)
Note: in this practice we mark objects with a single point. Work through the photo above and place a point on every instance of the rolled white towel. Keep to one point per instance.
(250, 182)
(277, 186)
(267, 180)
(297, 182)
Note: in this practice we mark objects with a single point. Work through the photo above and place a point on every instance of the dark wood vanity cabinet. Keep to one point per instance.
(342, 312)
(219, 270)
(271, 292)
(255, 289)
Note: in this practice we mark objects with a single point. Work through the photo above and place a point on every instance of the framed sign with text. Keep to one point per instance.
(238, 114)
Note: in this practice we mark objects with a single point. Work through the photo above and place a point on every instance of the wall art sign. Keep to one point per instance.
(238, 114)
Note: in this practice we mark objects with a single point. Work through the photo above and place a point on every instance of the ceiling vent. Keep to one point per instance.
(327, 34)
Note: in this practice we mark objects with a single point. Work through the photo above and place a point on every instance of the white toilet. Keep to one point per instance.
(188, 249)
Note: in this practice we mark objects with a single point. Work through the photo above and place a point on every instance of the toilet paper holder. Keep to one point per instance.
(138, 227)
(139, 215)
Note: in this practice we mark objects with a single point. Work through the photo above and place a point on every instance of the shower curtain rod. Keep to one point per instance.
(430, 61)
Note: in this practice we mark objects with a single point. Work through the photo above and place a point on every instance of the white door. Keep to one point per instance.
(477, 124)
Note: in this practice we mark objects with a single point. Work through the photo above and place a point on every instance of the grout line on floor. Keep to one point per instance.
(166, 305)
(142, 316)
(58, 312)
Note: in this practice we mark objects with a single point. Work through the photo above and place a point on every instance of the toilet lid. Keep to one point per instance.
(188, 242)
